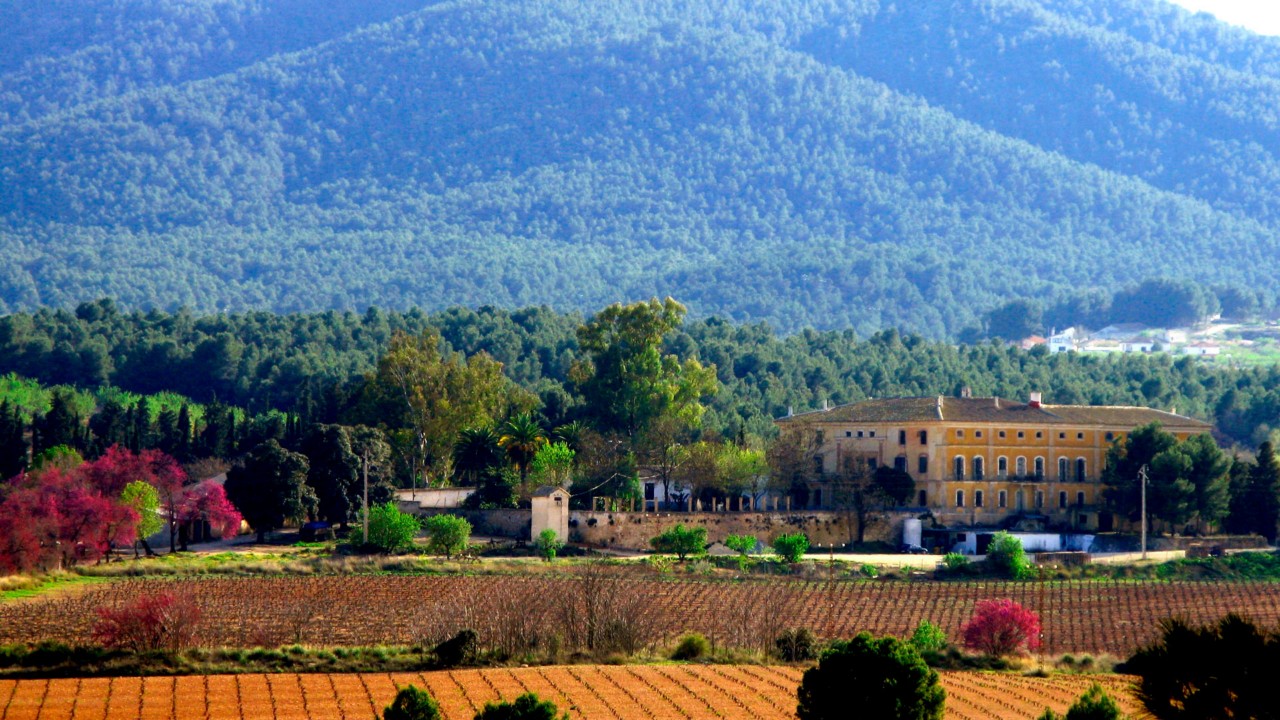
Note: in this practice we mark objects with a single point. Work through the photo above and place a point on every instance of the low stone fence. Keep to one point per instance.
(633, 530)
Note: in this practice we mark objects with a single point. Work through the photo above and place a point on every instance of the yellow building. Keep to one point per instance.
(981, 461)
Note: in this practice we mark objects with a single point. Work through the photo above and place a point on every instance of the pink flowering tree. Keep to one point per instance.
(207, 502)
(1002, 627)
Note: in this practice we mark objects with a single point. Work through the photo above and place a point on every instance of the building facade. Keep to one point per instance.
(982, 462)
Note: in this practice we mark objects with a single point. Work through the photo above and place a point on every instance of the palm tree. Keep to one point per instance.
(571, 434)
(522, 436)
(475, 451)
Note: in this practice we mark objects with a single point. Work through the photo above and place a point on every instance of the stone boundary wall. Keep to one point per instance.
(514, 524)
(632, 531)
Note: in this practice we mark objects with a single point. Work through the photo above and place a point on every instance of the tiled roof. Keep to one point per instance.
(995, 410)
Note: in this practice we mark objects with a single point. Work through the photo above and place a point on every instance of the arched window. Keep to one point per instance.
(1003, 499)
(1080, 499)
(959, 498)
(1039, 468)
(1063, 463)
(1080, 470)
(959, 467)
(978, 470)
(1002, 467)
(1062, 499)
(1020, 466)
(1020, 499)
(977, 498)
(1039, 499)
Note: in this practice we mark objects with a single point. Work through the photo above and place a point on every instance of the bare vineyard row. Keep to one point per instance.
(523, 613)
(586, 692)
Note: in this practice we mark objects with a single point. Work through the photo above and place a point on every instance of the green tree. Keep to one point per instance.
(1095, 704)
(681, 540)
(928, 638)
(13, 445)
(1006, 557)
(860, 493)
(476, 451)
(447, 535)
(1216, 671)
(552, 465)
(143, 498)
(390, 530)
(548, 544)
(1121, 476)
(882, 678)
(525, 707)
(521, 438)
(1255, 499)
(270, 485)
(627, 381)
(791, 547)
(436, 395)
(411, 703)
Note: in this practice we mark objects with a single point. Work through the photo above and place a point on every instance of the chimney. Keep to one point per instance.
(791, 411)
(997, 401)
(966, 392)
(1035, 399)
(824, 404)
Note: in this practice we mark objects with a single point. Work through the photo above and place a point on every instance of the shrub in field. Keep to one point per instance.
(796, 645)
(1095, 704)
(955, 562)
(164, 621)
(548, 544)
(882, 678)
(391, 531)
(691, 647)
(681, 541)
(448, 534)
(411, 703)
(1001, 627)
(741, 544)
(791, 547)
(1006, 557)
(526, 707)
(1214, 671)
(461, 649)
(928, 638)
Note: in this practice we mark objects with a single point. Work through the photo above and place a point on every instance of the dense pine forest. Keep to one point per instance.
(313, 366)
(810, 163)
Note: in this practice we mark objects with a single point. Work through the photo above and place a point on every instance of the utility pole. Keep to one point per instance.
(364, 471)
(1142, 475)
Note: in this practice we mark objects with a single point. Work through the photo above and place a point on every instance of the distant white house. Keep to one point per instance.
(1137, 345)
(1202, 349)
(1174, 337)
(1064, 341)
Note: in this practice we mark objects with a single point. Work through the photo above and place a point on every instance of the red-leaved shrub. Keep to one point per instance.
(163, 621)
(1002, 627)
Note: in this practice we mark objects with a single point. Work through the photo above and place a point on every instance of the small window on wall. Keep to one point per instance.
(859, 433)
(817, 464)
(848, 433)
(1021, 434)
(1020, 467)
(1039, 468)
(819, 437)
(872, 464)
(1079, 436)
(1080, 499)
(959, 468)
(924, 498)
(1002, 466)
(1062, 436)
(1001, 433)
(959, 433)
(1039, 434)
(900, 463)
(979, 468)
(1111, 436)
(1003, 499)
(1039, 498)
(1062, 469)
(871, 433)
(959, 498)
(1062, 499)
(902, 437)
(1080, 468)
(922, 466)
(977, 498)
(977, 433)
(924, 437)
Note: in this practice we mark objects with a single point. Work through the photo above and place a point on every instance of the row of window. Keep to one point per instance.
(1002, 499)
(1020, 468)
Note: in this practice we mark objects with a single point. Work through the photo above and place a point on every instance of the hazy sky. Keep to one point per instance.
(1260, 16)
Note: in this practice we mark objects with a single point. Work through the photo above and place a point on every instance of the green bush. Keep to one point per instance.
(526, 707)
(1005, 557)
(461, 649)
(448, 535)
(955, 562)
(741, 544)
(882, 678)
(928, 638)
(411, 703)
(791, 547)
(1095, 704)
(691, 647)
(548, 544)
(796, 645)
(682, 541)
(391, 531)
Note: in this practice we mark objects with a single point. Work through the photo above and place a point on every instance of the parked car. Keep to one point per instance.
(910, 549)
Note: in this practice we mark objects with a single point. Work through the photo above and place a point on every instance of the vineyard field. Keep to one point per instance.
(587, 692)
(512, 612)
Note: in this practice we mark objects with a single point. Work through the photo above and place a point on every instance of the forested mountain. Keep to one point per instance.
(813, 163)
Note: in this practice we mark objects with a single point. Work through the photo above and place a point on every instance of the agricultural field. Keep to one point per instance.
(518, 614)
(648, 692)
